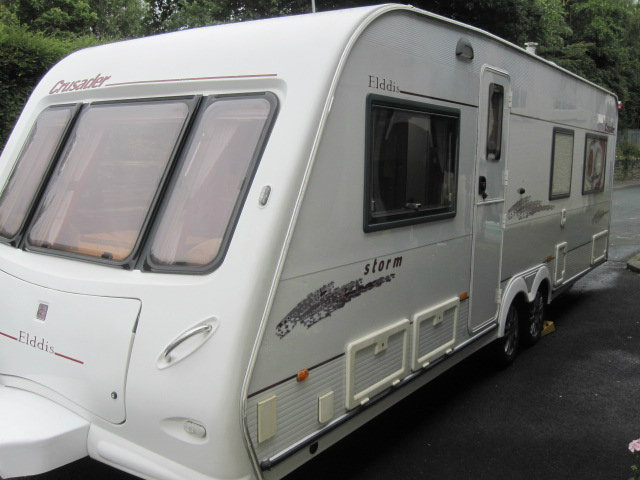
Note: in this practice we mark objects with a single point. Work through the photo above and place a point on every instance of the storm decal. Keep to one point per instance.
(525, 208)
(323, 302)
(599, 215)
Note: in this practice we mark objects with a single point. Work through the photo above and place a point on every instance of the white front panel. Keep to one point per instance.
(76, 345)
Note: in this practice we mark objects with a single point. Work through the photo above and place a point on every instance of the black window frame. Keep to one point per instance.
(411, 217)
(604, 162)
(18, 238)
(145, 262)
(193, 102)
(138, 259)
(562, 131)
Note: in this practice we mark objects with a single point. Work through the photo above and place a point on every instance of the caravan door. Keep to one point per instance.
(491, 159)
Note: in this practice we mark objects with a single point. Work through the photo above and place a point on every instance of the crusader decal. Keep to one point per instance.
(525, 208)
(323, 302)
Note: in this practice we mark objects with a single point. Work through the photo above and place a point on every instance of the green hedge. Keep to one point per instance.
(627, 162)
(26, 57)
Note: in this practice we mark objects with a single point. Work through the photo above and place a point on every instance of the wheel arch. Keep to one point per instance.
(517, 290)
(542, 280)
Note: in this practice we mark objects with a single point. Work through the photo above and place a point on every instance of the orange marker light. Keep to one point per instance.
(464, 296)
(302, 375)
(549, 258)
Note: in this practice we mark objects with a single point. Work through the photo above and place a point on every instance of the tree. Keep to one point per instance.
(26, 56)
(118, 19)
(603, 48)
(168, 15)
(54, 17)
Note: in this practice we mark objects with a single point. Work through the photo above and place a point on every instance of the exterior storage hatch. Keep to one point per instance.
(75, 345)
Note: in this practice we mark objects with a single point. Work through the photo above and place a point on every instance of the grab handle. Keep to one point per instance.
(166, 353)
(482, 187)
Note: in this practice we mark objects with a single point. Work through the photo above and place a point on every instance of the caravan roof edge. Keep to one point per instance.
(495, 38)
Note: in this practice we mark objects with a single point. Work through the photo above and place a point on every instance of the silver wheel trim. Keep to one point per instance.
(511, 332)
(536, 315)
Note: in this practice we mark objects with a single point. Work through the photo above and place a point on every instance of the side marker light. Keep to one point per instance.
(302, 375)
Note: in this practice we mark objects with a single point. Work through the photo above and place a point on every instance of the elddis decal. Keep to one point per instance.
(39, 343)
(35, 342)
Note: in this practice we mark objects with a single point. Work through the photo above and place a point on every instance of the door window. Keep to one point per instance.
(494, 121)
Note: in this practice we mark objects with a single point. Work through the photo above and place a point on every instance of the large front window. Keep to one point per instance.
(28, 174)
(170, 174)
(107, 178)
(196, 217)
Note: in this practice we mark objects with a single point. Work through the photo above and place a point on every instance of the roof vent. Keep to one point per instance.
(531, 47)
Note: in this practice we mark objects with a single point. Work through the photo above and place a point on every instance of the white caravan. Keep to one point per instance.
(223, 249)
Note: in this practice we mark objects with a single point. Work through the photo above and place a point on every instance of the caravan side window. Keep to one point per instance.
(411, 163)
(595, 158)
(494, 121)
(561, 163)
(27, 176)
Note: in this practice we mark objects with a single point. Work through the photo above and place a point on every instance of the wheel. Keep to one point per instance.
(532, 325)
(507, 346)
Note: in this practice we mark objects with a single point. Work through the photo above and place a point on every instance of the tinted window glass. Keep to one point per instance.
(412, 164)
(209, 181)
(561, 163)
(595, 159)
(30, 168)
(494, 122)
(102, 189)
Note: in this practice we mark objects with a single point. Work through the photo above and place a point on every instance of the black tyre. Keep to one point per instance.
(531, 326)
(506, 348)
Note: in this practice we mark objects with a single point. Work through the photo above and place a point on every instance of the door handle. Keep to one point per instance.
(482, 187)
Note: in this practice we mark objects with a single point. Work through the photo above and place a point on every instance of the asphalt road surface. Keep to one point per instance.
(566, 409)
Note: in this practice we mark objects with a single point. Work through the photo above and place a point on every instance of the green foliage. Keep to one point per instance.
(118, 19)
(55, 17)
(26, 56)
(168, 15)
(158, 13)
(604, 47)
(598, 39)
(629, 150)
(518, 21)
